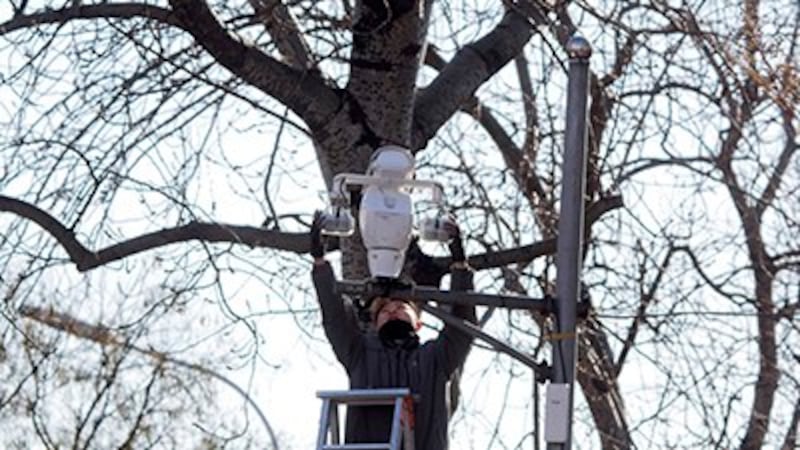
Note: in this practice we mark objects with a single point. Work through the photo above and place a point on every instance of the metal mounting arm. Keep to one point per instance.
(542, 370)
(370, 289)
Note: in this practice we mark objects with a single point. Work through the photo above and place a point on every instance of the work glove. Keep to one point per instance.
(456, 245)
(317, 247)
(423, 270)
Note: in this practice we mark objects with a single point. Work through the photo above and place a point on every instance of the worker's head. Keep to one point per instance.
(385, 309)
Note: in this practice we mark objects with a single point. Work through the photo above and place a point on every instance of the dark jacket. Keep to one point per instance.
(426, 369)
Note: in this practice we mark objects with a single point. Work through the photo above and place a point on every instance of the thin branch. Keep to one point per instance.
(531, 143)
(790, 441)
(622, 61)
(303, 91)
(103, 336)
(641, 312)
(517, 160)
(137, 423)
(469, 69)
(527, 253)
(790, 148)
(105, 10)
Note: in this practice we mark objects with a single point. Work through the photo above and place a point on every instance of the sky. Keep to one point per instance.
(294, 359)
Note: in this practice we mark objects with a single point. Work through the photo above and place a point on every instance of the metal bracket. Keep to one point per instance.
(363, 292)
(542, 372)
(371, 288)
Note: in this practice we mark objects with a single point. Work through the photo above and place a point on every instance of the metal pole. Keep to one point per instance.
(560, 392)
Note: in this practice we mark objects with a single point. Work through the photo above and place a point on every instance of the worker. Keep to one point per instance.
(389, 355)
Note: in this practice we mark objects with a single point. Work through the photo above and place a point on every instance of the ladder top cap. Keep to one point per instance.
(356, 394)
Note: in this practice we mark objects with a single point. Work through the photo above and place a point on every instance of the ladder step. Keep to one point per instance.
(369, 446)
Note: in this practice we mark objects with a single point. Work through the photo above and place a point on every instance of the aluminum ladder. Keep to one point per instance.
(402, 425)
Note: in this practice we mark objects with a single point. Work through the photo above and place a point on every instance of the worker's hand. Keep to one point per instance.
(456, 245)
(317, 247)
(423, 269)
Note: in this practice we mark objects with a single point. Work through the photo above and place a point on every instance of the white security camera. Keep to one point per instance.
(385, 213)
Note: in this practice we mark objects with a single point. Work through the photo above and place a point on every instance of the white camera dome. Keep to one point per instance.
(392, 162)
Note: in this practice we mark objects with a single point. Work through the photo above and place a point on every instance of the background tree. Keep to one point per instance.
(144, 144)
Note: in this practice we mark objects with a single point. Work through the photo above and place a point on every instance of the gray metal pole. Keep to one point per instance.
(560, 394)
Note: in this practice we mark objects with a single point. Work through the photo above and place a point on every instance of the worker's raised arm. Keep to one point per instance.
(453, 343)
(338, 315)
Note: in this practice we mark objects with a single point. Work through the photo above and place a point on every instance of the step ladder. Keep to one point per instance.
(401, 422)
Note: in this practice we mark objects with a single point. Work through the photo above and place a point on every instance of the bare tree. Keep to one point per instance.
(159, 157)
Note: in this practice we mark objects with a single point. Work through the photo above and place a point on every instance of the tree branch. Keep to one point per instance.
(527, 253)
(283, 27)
(468, 70)
(303, 91)
(596, 375)
(530, 145)
(645, 301)
(516, 160)
(519, 161)
(790, 441)
(86, 259)
(108, 11)
(790, 148)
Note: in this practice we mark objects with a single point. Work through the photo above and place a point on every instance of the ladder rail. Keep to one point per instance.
(394, 442)
(334, 423)
(323, 423)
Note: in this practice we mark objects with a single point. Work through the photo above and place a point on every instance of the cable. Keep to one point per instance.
(697, 313)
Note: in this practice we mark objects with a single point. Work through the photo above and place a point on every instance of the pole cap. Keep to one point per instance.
(578, 47)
